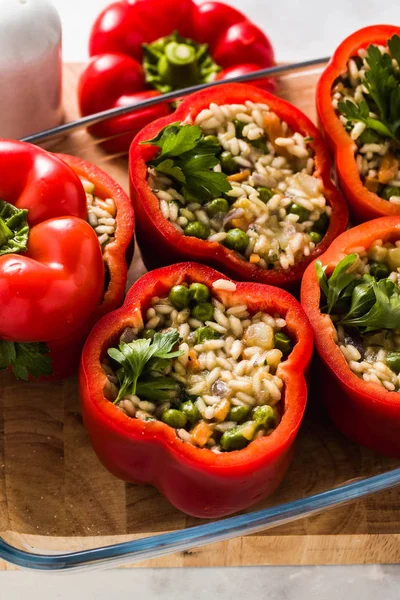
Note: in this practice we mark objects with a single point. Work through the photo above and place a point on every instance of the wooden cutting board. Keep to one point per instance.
(54, 494)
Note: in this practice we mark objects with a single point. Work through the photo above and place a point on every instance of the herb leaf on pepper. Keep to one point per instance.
(135, 356)
(188, 157)
(26, 359)
(363, 302)
(382, 82)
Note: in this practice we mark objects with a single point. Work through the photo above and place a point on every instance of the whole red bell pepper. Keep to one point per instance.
(136, 55)
(364, 411)
(364, 204)
(197, 481)
(52, 274)
(161, 244)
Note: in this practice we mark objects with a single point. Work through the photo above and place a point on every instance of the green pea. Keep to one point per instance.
(197, 229)
(179, 296)
(283, 343)
(174, 418)
(228, 164)
(322, 224)
(265, 194)
(389, 191)
(302, 212)
(199, 292)
(264, 416)
(379, 270)
(315, 237)
(238, 413)
(238, 437)
(203, 311)
(148, 334)
(217, 206)
(191, 411)
(236, 239)
(393, 361)
(239, 126)
(206, 333)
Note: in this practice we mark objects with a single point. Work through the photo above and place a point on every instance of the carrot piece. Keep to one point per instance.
(372, 184)
(274, 129)
(201, 433)
(193, 362)
(222, 409)
(254, 259)
(239, 177)
(388, 169)
(241, 223)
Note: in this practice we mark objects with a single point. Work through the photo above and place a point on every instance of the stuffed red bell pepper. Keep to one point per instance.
(358, 102)
(352, 298)
(58, 273)
(196, 386)
(145, 48)
(238, 179)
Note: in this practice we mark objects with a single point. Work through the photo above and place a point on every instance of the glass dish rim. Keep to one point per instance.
(162, 544)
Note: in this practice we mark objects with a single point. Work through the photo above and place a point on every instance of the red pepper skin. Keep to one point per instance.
(56, 284)
(197, 481)
(112, 80)
(365, 412)
(121, 29)
(162, 244)
(364, 205)
(117, 255)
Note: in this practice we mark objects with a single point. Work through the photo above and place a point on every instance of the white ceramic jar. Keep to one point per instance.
(30, 67)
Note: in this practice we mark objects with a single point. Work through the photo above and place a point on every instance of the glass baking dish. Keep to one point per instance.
(59, 508)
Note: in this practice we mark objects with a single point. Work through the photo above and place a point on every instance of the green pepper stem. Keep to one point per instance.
(5, 233)
(179, 66)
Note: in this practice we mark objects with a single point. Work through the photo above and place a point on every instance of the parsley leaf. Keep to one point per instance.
(385, 312)
(382, 83)
(26, 359)
(354, 112)
(134, 357)
(394, 47)
(157, 389)
(339, 280)
(188, 157)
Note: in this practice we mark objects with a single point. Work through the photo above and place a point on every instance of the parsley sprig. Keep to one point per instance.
(382, 82)
(26, 359)
(145, 355)
(188, 157)
(364, 303)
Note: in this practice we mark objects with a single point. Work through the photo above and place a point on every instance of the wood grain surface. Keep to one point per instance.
(55, 495)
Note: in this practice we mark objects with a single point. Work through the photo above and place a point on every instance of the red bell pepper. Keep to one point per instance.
(119, 72)
(52, 284)
(197, 481)
(162, 244)
(364, 205)
(365, 412)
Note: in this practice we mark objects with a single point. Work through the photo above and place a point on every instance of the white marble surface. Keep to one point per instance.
(299, 29)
